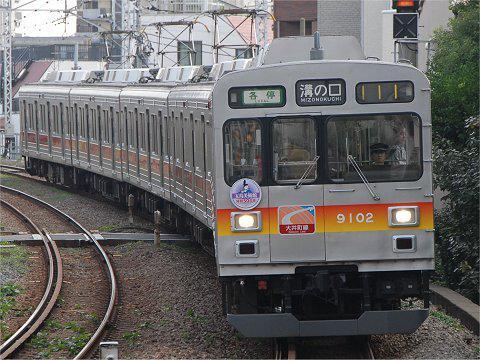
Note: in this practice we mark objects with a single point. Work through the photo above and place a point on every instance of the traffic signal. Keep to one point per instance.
(405, 6)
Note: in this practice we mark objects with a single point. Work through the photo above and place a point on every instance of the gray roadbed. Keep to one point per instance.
(457, 306)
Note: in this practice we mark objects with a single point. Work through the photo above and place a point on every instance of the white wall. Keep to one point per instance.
(435, 14)
(372, 28)
(377, 27)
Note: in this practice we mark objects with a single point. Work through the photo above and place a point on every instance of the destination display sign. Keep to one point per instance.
(267, 96)
(320, 92)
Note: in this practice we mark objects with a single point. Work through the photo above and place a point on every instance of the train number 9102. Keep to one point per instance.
(352, 218)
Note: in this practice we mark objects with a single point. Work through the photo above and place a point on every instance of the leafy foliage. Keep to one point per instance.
(453, 73)
(456, 172)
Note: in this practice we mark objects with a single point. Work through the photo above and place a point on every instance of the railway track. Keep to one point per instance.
(13, 344)
(52, 288)
(352, 348)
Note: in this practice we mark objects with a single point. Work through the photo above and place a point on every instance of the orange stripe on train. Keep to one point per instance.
(333, 218)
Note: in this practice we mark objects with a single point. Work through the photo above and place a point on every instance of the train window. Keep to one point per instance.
(142, 132)
(243, 155)
(42, 118)
(154, 128)
(61, 119)
(52, 117)
(81, 112)
(130, 135)
(49, 119)
(31, 123)
(160, 134)
(294, 150)
(135, 130)
(56, 125)
(385, 148)
(98, 125)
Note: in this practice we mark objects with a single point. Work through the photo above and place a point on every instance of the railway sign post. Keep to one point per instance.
(405, 26)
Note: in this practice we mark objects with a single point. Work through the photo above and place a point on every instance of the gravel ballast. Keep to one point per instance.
(171, 308)
(92, 213)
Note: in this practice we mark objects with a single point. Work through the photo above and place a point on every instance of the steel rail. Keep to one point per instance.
(369, 351)
(50, 295)
(96, 337)
(11, 167)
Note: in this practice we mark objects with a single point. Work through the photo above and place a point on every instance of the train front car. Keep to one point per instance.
(324, 198)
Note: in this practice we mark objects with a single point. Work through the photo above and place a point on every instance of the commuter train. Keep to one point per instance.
(309, 180)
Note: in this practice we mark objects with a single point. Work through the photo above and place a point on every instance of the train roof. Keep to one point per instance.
(297, 48)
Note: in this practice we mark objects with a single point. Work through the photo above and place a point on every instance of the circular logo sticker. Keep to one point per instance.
(245, 194)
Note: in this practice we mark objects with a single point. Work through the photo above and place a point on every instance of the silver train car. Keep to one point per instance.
(310, 181)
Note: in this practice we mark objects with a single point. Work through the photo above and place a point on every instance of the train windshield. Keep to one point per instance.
(294, 150)
(386, 147)
(243, 150)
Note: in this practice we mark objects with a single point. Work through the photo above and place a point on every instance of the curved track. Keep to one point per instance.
(96, 337)
(50, 295)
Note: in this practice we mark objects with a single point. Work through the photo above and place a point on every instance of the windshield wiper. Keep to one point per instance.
(363, 177)
(306, 173)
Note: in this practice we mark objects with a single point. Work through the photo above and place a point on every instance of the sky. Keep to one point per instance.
(38, 18)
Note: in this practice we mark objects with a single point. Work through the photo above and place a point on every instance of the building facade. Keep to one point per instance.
(369, 21)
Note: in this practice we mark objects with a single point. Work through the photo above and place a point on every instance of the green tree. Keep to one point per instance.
(457, 172)
(453, 73)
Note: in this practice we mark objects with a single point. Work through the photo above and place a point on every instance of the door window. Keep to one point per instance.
(243, 155)
(294, 150)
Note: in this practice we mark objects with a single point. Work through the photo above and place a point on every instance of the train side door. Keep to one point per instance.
(170, 156)
(136, 137)
(149, 130)
(63, 125)
(76, 119)
(179, 160)
(111, 129)
(296, 196)
(88, 131)
(49, 128)
(189, 158)
(100, 135)
(37, 128)
(199, 154)
(127, 117)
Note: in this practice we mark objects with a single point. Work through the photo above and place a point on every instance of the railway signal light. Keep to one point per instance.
(403, 6)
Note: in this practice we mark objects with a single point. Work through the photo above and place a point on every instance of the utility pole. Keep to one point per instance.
(123, 27)
(6, 16)
(261, 26)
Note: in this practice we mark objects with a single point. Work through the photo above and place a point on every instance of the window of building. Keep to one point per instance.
(244, 53)
(189, 53)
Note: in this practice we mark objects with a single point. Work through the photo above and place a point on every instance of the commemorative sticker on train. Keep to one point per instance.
(245, 194)
(296, 219)
(321, 92)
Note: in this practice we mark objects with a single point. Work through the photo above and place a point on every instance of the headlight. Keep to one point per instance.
(246, 221)
(403, 216)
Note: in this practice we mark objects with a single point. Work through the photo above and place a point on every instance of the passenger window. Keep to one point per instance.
(294, 150)
(385, 148)
(243, 155)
